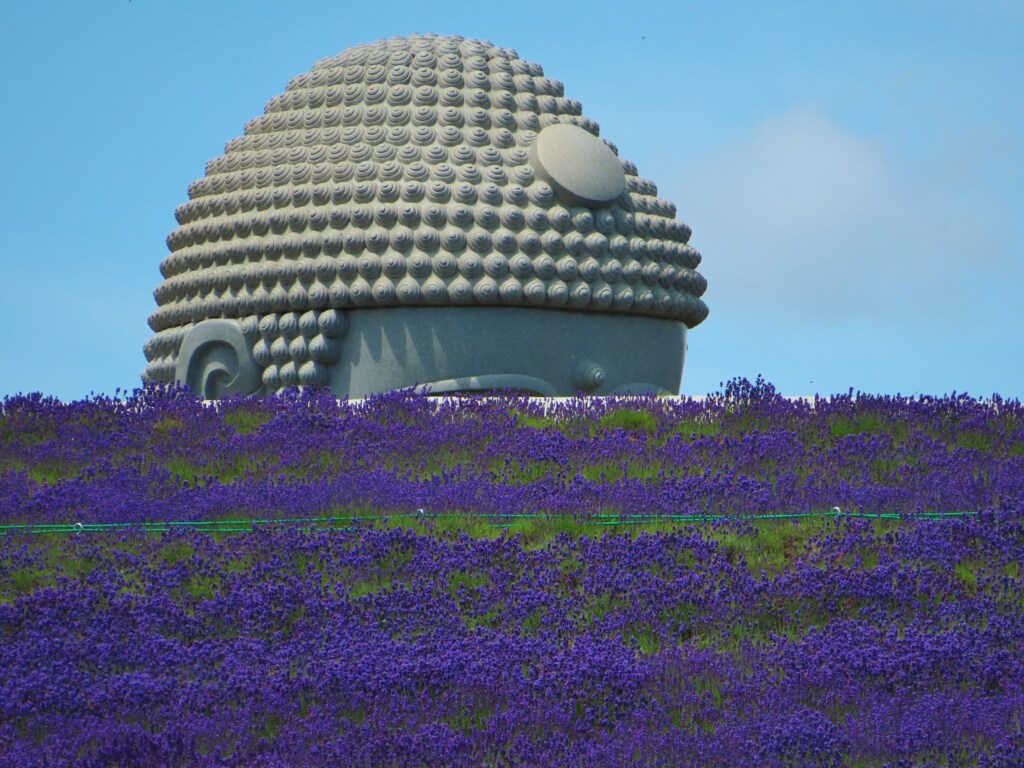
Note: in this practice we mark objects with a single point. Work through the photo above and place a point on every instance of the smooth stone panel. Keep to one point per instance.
(539, 351)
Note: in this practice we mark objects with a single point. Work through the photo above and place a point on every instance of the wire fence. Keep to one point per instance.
(348, 522)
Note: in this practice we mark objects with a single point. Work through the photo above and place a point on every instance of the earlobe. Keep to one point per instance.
(215, 361)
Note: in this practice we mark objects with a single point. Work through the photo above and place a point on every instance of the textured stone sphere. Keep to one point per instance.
(421, 171)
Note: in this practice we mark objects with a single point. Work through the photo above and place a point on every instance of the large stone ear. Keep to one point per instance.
(215, 361)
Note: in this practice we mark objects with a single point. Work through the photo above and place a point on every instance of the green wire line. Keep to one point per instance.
(247, 525)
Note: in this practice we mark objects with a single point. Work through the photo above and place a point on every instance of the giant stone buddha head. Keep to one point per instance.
(424, 211)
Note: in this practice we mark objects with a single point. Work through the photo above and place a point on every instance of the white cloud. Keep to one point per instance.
(805, 219)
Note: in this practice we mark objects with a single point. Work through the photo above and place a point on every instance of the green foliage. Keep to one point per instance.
(693, 428)
(199, 587)
(770, 546)
(628, 419)
(176, 552)
(869, 423)
(530, 421)
(465, 581)
(223, 471)
(608, 472)
(967, 573)
(370, 586)
(22, 581)
(244, 421)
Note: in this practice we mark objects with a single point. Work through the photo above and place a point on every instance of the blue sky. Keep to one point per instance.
(853, 171)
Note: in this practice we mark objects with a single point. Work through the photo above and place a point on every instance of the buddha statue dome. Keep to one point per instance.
(424, 210)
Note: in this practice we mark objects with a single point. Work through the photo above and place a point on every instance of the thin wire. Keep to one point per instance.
(346, 522)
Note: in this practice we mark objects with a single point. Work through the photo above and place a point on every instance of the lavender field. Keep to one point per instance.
(739, 581)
